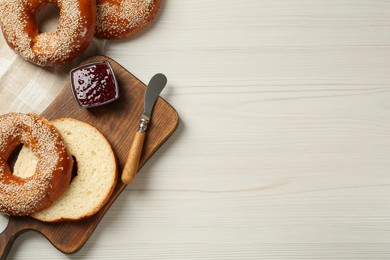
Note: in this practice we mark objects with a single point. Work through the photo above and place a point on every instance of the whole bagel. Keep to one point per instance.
(75, 30)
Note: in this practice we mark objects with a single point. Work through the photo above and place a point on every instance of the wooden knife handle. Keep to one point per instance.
(131, 166)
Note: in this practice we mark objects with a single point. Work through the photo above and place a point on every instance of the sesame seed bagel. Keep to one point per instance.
(25, 196)
(118, 19)
(94, 180)
(74, 32)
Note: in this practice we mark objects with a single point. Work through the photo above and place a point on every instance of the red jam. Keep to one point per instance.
(94, 84)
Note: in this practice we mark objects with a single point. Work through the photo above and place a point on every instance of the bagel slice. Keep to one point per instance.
(96, 175)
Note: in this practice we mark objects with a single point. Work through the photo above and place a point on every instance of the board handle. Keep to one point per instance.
(132, 161)
(7, 238)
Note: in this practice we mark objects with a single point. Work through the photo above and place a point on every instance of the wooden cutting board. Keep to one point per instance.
(118, 121)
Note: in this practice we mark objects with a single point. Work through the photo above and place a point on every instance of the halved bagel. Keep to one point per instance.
(96, 175)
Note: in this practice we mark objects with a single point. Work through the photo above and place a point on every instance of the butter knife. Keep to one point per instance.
(155, 86)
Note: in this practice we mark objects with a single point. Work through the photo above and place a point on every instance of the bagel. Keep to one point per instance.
(52, 174)
(118, 19)
(96, 175)
(74, 32)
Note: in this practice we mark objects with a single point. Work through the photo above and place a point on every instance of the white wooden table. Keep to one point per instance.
(283, 148)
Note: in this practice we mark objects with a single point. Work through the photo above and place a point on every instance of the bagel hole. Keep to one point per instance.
(74, 168)
(25, 167)
(48, 18)
(13, 157)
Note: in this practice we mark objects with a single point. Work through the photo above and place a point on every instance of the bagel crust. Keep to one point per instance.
(25, 196)
(118, 19)
(75, 30)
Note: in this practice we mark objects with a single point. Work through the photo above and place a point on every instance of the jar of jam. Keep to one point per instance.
(94, 84)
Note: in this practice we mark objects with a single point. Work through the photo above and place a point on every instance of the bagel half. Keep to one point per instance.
(96, 175)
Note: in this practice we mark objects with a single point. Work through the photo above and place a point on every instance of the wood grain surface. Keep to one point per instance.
(118, 121)
(283, 147)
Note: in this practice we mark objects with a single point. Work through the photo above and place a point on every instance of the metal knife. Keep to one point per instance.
(155, 86)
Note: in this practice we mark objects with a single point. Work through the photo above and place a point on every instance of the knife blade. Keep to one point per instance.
(155, 86)
(153, 90)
